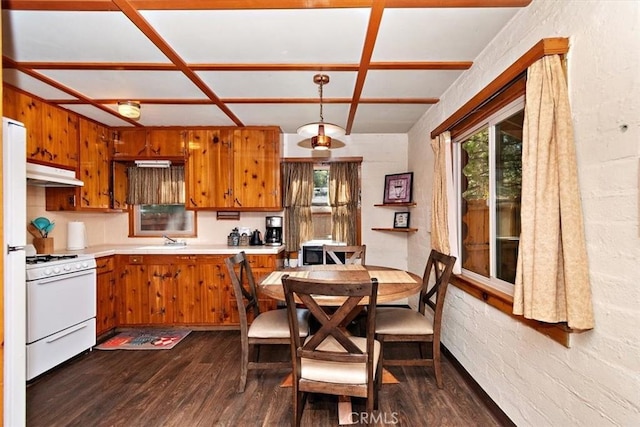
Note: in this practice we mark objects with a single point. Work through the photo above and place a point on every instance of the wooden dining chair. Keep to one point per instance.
(407, 325)
(332, 361)
(354, 254)
(268, 328)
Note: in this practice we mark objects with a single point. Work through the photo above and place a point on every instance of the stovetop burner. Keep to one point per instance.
(40, 259)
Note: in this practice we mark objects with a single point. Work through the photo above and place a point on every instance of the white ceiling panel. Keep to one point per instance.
(183, 115)
(438, 34)
(290, 84)
(75, 36)
(264, 36)
(288, 116)
(384, 118)
(128, 84)
(407, 84)
(96, 114)
(33, 85)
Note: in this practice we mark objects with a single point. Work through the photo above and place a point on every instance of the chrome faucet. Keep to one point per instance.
(170, 241)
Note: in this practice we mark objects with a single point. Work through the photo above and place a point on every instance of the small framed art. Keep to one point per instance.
(401, 220)
(397, 188)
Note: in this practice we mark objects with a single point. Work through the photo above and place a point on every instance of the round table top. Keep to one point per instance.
(393, 284)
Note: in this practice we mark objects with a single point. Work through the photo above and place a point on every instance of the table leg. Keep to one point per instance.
(345, 410)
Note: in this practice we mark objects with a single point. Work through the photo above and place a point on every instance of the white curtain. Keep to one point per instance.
(444, 226)
(552, 278)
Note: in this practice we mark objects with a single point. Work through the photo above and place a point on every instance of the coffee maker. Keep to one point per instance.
(273, 236)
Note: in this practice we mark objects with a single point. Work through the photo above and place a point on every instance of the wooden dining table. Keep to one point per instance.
(393, 285)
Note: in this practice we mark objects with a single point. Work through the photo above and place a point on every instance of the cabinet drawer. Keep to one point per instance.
(262, 261)
(104, 264)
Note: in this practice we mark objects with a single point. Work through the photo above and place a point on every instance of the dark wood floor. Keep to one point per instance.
(194, 384)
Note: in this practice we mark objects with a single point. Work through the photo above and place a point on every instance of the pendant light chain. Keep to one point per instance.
(320, 90)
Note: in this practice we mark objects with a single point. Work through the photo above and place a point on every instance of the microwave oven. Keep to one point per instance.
(312, 252)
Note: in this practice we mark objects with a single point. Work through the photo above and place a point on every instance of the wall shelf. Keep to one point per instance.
(396, 230)
(395, 205)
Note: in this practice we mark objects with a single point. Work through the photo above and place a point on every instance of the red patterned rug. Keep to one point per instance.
(144, 339)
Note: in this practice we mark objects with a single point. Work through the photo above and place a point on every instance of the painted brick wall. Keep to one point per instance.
(534, 380)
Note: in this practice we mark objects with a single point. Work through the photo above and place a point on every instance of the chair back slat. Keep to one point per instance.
(352, 254)
(441, 266)
(244, 285)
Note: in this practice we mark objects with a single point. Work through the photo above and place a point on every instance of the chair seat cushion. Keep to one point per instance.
(403, 321)
(275, 324)
(338, 372)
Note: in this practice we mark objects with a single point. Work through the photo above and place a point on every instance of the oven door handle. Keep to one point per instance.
(67, 333)
(44, 281)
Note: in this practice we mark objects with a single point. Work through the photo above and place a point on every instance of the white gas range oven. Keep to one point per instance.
(61, 309)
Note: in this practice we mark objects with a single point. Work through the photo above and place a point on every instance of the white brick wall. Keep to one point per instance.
(536, 381)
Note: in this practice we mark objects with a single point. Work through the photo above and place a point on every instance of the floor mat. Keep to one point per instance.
(145, 339)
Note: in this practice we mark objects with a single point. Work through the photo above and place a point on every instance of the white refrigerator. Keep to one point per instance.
(14, 239)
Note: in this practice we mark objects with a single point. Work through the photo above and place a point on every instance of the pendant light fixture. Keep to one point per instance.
(320, 132)
(130, 109)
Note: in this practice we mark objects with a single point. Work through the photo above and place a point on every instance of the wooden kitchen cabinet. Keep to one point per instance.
(28, 110)
(185, 290)
(106, 295)
(60, 136)
(138, 144)
(234, 169)
(94, 171)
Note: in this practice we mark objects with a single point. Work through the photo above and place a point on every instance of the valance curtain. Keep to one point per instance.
(298, 193)
(344, 193)
(156, 186)
(552, 278)
(444, 230)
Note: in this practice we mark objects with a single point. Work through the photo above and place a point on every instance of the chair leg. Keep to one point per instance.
(244, 365)
(299, 399)
(436, 364)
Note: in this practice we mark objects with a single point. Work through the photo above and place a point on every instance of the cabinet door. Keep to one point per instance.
(167, 143)
(134, 295)
(256, 169)
(25, 109)
(120, 185)
(161, 294)
(197, 291)
(94, 166)
(60, 135)
(106, 296)
(130, 143)
(208, 169)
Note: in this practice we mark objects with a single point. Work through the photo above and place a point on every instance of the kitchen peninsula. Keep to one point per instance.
(163, 285)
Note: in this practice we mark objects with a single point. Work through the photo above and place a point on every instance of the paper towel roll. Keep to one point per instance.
(76, 235)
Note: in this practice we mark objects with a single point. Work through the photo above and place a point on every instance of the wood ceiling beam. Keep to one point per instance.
(136, 66)
(425, 101)
(138, 20)
(367, 51)
(67, 90)
(108, 5)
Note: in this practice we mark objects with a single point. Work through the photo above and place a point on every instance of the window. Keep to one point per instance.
(156, 220)
(489, 159)
(320, 207)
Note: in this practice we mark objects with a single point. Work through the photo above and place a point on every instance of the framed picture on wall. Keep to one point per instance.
(397, 188)
(401, 220)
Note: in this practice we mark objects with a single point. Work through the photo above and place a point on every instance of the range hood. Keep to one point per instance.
(48, 176)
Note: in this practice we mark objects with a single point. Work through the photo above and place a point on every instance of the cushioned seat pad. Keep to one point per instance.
(403, 321)
(274, 324)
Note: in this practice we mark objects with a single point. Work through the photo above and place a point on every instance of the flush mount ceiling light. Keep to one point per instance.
(320, 132)
(130, 109)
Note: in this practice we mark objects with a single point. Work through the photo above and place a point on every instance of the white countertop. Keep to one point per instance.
(142, 249)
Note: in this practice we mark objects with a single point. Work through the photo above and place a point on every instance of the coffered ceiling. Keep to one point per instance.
(230, 62)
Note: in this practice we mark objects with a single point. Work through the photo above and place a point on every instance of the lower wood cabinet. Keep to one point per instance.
(106, 319)
(185, 290)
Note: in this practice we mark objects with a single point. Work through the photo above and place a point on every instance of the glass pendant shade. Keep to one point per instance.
(320, 132)
(312, 129)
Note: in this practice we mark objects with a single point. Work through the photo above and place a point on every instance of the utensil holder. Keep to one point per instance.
(43, 245)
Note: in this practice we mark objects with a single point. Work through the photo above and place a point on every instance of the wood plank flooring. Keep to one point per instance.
(194, 384)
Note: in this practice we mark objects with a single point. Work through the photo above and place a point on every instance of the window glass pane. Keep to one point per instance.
(475, 202)
(155, 220)
(320, 187)
(508, 180)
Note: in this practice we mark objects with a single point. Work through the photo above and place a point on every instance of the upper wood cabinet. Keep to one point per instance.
(145, 144)
(94, 171)
(234, 169)
(52, 132)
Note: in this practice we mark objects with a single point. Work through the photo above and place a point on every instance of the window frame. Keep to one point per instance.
(489, 123)
(134, 225)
